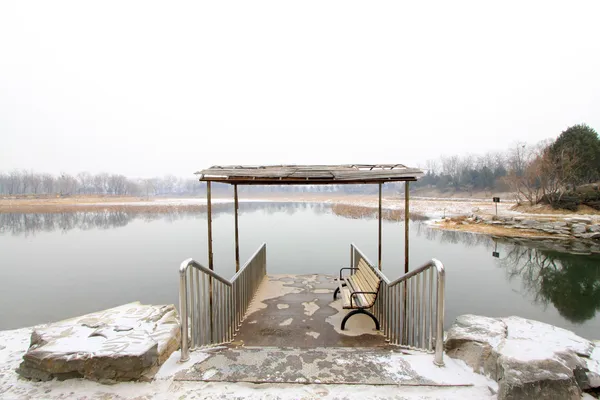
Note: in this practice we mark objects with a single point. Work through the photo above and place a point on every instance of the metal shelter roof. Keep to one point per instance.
(309, 174)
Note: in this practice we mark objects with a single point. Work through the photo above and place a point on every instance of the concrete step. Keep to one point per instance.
(288, 391)
(330, 365)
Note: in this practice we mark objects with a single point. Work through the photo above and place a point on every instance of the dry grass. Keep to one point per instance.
(62, 208)
(546, 209)
(365, 212)
(64, 199)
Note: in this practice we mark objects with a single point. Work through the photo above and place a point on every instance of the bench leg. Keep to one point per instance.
(336, 291)
(360, 311)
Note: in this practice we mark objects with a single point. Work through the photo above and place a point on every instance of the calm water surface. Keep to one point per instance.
(55, 266)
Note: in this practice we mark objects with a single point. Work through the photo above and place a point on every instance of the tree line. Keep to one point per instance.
(27, 182)
(547, 171)
(24, 182)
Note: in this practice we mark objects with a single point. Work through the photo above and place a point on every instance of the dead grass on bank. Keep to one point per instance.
(42, 199)
(547, 209)
(365, 212)
(63, 208)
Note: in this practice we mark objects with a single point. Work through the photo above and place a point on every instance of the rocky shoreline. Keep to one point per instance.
(577, 235)
(576, 227)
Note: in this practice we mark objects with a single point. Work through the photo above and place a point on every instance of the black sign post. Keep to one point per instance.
(496, 200)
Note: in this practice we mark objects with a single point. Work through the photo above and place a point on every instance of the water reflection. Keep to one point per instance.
(28, 224)
(571, 282)
(547, 276)
(454, 237)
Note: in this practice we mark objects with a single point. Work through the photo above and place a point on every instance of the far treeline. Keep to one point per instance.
(23, 182)
(26, 182)
(563, 173)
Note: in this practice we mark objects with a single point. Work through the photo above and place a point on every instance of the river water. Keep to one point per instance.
(56, 266)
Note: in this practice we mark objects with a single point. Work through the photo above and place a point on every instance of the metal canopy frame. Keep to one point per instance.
(309, 175)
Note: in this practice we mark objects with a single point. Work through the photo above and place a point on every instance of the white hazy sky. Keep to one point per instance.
(146, 88)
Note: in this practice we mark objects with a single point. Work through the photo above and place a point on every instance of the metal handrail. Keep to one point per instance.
(215, 305)
(403, 302)
(252, 257)
(190, 262)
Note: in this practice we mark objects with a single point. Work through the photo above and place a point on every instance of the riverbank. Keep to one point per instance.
(475, 215)
(429, 206)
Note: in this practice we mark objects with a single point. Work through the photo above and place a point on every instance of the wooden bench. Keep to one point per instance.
(359, 291)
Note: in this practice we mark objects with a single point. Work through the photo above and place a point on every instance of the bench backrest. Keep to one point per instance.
(368, 281)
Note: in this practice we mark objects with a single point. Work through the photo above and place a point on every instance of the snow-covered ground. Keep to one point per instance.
(15, 343)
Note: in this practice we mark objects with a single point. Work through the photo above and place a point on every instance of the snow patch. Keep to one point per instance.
(553, 337)
(525, 350)
(210, 373)
(313, 334)
(310, 307)
(286, 322)
(172, 365)
(269, 289)
(453, 372)
(359, 324)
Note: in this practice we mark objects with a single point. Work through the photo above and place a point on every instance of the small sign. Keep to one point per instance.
(496, 199)
(495, 254)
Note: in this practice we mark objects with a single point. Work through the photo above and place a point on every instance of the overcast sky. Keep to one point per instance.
(146, 88)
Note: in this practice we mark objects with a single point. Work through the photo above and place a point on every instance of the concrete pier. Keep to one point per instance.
(299, 311)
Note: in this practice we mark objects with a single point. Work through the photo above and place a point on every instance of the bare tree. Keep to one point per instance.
(101, 183)
(35, 182)
(432, 166)
(529, 167)
(67, 184)
(48, 183)
(14, 182)
(85, 180)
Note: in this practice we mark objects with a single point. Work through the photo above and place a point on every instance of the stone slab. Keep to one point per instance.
(124, 343)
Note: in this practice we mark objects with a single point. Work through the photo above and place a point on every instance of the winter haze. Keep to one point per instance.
(145, 88)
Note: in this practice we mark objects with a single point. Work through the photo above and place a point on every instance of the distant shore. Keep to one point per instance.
(431, 207)
(443, 212)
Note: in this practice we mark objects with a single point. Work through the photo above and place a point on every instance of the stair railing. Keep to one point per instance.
(411, 308)
(212, 308)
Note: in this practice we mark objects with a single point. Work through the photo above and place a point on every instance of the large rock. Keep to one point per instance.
(536, 379)
(473, 339)
(578, 228)
(528, 359)
(124, 343)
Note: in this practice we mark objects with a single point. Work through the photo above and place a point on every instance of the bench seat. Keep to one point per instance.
(358, 291)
